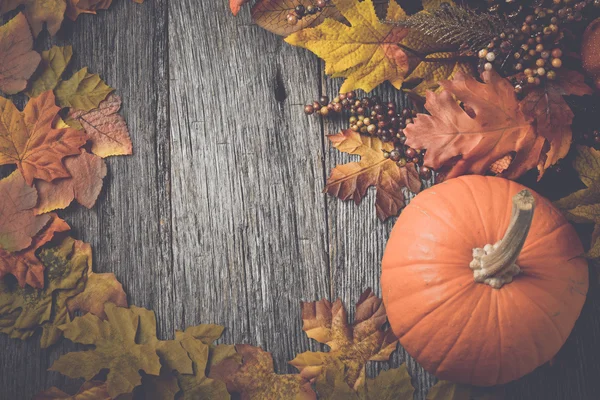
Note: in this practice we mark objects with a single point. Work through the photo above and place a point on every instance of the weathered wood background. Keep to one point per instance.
(219, 216)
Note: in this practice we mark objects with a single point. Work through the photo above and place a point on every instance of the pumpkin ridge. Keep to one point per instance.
(500, 334)
(526, 247)
(476, 204)
(480, 352)
(439, 220)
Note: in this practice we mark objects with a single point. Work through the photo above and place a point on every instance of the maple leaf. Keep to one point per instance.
(445, 390)
(272, 15)
(236, 5)
(19, 61)
(83, 91)
(255, 379)
(105, 127)
(92, 390)
(54, 63)
(393, 384)
(121, 345)
(552, 114)
(364, 340)
(99, 290)
(468, 141)
(38, 12)
(87, 172)
(37, 140)
(78, 7)
(24, 264)
(428, 73)
(351, 181)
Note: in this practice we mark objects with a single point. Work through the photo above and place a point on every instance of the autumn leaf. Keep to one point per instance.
(24, 264)
(92, 390)
(236, 5)
(50, 12)
(35, 139)
(83, 91)
(364, 340)
(99, 290)
(19, 61)
(255, 379)
(445, 390)
(551, 113)
(105, 127)
(78, 7)
(54, 63)
(272, 15)
(468, 141)
(87, 172)
(351, 181)
(429, 73)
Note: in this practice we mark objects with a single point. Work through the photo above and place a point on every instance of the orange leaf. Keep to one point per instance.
(84, 185)
(470, 140)
(24, 264)
(99, 289)
(552, 113)
(19, 61)
(18, 223)
(105, 127)
(236, 5)
(33, 141)
(351, 181)
(272, 15)
(77, 7)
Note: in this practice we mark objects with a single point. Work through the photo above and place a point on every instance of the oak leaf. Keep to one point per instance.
(18, 222)
(36, 140)
(551, 113)
(24, 264)
(365, 340)
(445, 390)
(236, 5)
(272, 15)
(78, 7)
(19, 60)
(105, 127)
(83, 91)
(54, 63)
(92, 390)
(38, 12)
(351, 181)
(468, 141)
(87, 172)
(255, 379)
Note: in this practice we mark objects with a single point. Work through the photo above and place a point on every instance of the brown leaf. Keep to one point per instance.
(87, 172)
(50, 12)
(77, 7)
(18, 223)
(105, 127)
(552, 114)
(364, 340)
(19, 61)
(99, 290)
(351, 181)
(255, 379)
(236, 5)
(92, 390)
(24, 264)
(468, 141)
(36, 139)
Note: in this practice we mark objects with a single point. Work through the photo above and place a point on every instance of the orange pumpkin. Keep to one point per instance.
(468, 307)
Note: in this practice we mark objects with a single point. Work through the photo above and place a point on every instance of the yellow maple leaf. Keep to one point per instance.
(437, 67)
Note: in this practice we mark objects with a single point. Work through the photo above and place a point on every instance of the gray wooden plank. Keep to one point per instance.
(249, 239)
(129, 228)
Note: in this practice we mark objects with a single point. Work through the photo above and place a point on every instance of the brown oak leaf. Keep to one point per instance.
(469, 140)
(37, 140)
(19, 61)
(552, 114)
(87, 172)
(365, 340)
(351, 181)
(105, 127)
(92, 390)
(255, 379)
(38, 12)
(272, 15)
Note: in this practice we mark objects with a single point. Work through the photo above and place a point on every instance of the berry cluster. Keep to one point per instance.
(371, 116)
(301, 11)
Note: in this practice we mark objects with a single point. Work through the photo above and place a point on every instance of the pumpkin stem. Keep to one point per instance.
(495, 265)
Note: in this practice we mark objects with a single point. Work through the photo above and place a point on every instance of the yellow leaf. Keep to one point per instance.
(84, 91)
(38, 12)
(429, 73)
(54, 62)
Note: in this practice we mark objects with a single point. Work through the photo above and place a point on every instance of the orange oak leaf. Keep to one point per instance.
(78, 7)
(87, 172)
(99, 289)
(365, 340)
(272, 15)
(469, 140)
(50, 12)
(106, 128)
(19, 61)
(551, 113)
(236, 5)
(18, 223)
(36, 139)
(351, 181)
(24, 264)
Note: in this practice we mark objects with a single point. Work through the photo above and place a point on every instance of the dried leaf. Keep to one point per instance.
(19, 61)
(83, 91)
(236, 5)
(162, 387)
(430, 73)
(99, 290)
(119, 347)
(272, 15)
(364, 340)
(468, 141)
(39, 12)
(54, 63)
(552, 114)
(444, 390)
(92, 390)
(87, 172)
(351, 181)
(105, 127)
(77, 7)
(36, 139)
(24, 264)
(255, 379)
